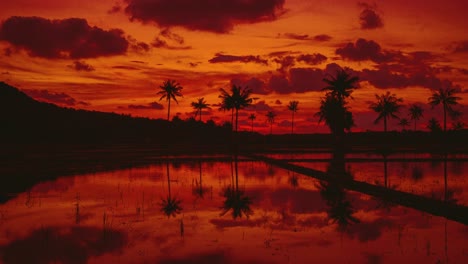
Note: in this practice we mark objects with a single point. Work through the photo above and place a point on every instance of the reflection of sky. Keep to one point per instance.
(289, 223)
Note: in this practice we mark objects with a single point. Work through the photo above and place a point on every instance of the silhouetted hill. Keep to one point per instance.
(25, 120)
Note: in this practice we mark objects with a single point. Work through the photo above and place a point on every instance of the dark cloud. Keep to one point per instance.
(169, 40)
(279, 84)
(306, 79)
(205, 15)
(312, 59)
(285, 62)
(153, 105)
(367, 50)
(322, 37)
(258, 86)
(278, 102)
(294, 36)
(123, 67)
(82, 66)
(62, 38)
(461, 47)
(369, 18)
(55, 98)
(116, 8)
(140, 47)
(260, 106)
(224, 58)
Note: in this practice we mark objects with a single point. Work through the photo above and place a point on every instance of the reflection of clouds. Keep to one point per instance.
(64, 245)
(369, 231)
(212, 257)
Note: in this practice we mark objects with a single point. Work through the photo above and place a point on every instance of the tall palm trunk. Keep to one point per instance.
(445, 117)
(385, 124)
(292, 123)
(237, 173)
(252, 125)
(237, 118)
(168, 108)
(168, 179)
(414, 124)
(232, 119)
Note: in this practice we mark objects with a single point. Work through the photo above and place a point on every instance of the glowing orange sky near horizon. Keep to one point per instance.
(131, 78)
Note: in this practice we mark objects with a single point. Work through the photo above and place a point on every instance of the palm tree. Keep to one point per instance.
(236, 200)
(170, 89)
(239, 98)
(403, 123)
(340, 86)
(433, 125)
(387, 106)
(170, 206)
(292, 106)
(415, 112)
(252, 117)
(335, 114)
(271, 119)
(445, 97)
(199, 105)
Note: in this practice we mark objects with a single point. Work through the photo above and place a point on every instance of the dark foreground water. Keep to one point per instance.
(239, 212)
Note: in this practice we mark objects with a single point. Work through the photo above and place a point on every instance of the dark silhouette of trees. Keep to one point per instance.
(415, 113)
(239, 98)
(446, 98)
(235, 199)
(387, 106)
(170, 206)
(293, 107)
(335, 114)
(170, 90)
(403, 123)
(252, 117)
(271, 119)
(333, 107)
(433, 125)
(199, 105)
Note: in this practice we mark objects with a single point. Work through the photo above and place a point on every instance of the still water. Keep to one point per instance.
(243, 211)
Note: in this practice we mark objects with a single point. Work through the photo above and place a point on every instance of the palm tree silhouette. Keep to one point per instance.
(433, 125)
(387, 106)
(445, 97)
(199, 191)
(239, 98)
(252, 117)
(415, 113)
(235, 199)
(199, 105)
(403, 123)
(335, 114)
(340, 86)
(333, 107)
(271, 119)
(292, 106)
(170, 206)
(170, 89)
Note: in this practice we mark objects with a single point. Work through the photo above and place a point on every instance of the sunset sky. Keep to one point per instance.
(113, 55)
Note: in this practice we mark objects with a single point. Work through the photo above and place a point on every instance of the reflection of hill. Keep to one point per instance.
(28, 121)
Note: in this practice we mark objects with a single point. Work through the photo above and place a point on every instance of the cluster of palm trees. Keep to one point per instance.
(389, 105)
(334, 109)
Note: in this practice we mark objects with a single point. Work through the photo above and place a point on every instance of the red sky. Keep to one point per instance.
(113, 55)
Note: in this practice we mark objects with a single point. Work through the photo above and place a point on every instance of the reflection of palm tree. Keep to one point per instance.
(170, 89)
(252, 117)
(170, 206)
(235, 199)
(415, 112)
(387, 106)
(447, 98)
(199, 191)
(271, 119)
(199, 105)
(292, 106)
(239, 98)
(340, 210)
